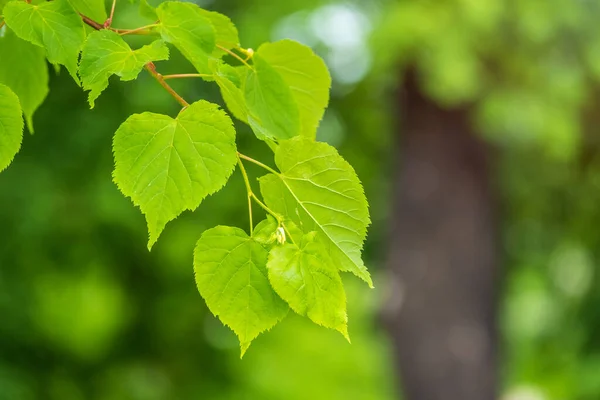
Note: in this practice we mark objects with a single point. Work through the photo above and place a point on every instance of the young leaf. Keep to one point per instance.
(187, 28)
(231, 275)
(95, 9)
(105, 53)
(273, 113)
(230, 80)
(319, 191)
(11, 126)
(24, 70)
(169, 165)
(307, 76)
(307, 279)
(53, 25)
(264, 232)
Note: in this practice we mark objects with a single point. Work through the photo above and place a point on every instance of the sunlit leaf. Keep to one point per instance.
(273, 113)
(307, 76)
(169, 165)
(230, 80)
(53, 25)
(308, 280)
(105, 53)
(186, 26)
(231, 275)
(226, 34)
(24, 69)
(319, 191)
(11, 126)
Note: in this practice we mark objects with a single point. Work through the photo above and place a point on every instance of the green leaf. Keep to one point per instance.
(307, 279)
(2, 4)
(11, 126)
(225, 31)
(106, 53)
(187, 28)
(307, 76)
(231, 275)
(53, 25)
(169, 165)
(230, 80)
(147, 11)
(24, 70)
(264, 232)
(95, 9)
(319, 191)
(273, 113)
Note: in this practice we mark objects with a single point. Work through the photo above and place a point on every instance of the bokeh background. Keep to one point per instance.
(474, 126)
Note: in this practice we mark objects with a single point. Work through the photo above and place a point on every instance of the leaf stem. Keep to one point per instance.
(252, 160)
(175, 76)
(2, 23)
(231, 53)
(142, 30)
(108, 22)
(150, 67)
(266, 208)
(248, 190)
(252, 196)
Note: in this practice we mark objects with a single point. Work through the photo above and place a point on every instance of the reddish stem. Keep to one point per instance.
(150, 67)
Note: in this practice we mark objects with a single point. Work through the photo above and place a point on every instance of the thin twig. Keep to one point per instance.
(175, 76)
(252, 160)
(142, 30)
(150, 67)
(248, 191)
(231, 53)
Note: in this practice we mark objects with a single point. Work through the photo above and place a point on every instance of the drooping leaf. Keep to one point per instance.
(319, 191)
(95, 9)
(307, 279)
(169, 165)
(307, 76)
(23, 68)
(230, 80)
(11, 126)
(231, 275)
(273, 113)
(226, 34)
(53, 25)
(187, 28)
(106, 53)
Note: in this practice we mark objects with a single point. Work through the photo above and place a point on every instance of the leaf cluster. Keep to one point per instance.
(316, 213)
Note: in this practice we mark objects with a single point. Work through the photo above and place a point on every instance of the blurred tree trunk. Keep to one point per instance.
(443, 255)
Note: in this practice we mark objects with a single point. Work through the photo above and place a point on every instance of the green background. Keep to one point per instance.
(87, 313)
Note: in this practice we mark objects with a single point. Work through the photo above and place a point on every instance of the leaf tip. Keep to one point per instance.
(244, 348)
(343, 329)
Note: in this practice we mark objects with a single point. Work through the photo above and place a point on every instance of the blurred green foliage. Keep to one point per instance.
(88, 313)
